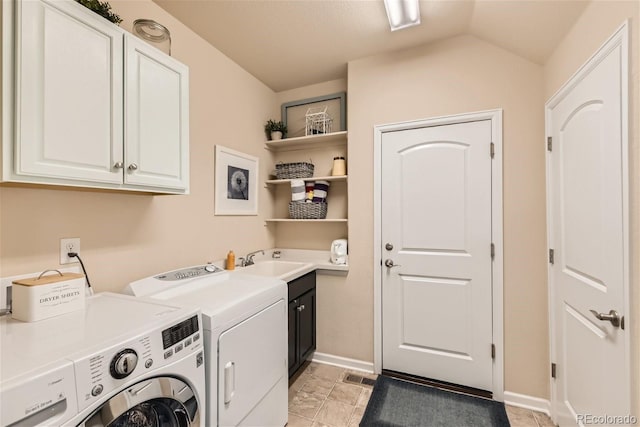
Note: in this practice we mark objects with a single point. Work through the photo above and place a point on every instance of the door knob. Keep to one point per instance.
(612, 317)
(118, 165)
(133, 166)
(388, 247)
(389, 263)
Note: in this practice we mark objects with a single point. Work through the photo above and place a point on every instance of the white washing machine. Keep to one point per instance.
(245, 325)
(120, 362)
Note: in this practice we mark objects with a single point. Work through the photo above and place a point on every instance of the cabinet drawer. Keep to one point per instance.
(301, 285)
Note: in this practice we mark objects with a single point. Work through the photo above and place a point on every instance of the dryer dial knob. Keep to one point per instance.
(124, 363)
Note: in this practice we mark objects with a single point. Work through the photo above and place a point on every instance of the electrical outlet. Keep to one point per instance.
(66, 246)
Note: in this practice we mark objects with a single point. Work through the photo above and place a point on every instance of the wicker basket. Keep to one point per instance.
(307, 210)
(294, 170)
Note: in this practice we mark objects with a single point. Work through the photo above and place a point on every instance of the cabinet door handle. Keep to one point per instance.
(133, 166)
(301, 307)
(118, 165)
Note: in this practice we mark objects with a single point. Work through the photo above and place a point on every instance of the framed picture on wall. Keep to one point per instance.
(293, 113)
(236, 183)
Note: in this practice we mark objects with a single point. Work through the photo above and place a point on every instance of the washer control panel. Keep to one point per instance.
(122, 363)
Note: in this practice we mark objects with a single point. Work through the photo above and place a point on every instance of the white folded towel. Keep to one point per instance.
(297, 190)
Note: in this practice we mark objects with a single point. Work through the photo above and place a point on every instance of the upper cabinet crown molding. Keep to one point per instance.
(92, 105)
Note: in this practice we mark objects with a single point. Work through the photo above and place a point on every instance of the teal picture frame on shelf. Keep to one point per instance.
(293, 112)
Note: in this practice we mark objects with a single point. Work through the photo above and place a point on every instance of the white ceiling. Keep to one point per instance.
(293, 43)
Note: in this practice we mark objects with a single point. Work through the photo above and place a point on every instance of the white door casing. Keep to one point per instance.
(587, 215)
(440, 312)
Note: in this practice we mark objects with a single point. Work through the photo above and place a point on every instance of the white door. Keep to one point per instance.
(157, 118)
(436, 229)
(69, 87)
(586, 190)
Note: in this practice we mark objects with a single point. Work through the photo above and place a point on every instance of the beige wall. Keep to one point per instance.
(598, 22)
(128, 236)
(460, 75)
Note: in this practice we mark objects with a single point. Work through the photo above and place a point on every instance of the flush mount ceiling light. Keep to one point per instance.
(152, 31)
(402, 13)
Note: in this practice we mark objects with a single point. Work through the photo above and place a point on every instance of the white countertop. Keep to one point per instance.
(291, 264)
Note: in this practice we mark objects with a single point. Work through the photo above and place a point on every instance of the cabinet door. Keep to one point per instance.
(68, 93)
(306, 325)
(293, 334)
(157, 118)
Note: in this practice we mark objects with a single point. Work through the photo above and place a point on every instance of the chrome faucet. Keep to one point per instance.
(248, 259)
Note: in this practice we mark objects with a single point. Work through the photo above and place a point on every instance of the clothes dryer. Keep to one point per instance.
(245, 326)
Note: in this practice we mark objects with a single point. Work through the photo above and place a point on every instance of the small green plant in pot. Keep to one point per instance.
(275, 130)
(102, 8)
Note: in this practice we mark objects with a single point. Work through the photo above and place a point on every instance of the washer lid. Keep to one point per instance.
(221, 301)
(107, 319)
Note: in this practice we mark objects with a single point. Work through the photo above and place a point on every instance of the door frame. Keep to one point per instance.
(496, 233)
(619, 38)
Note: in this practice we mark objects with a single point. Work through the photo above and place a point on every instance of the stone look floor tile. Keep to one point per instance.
(336, 414)
(520, 417)
(543, 419)
(298, 421)
(305, 404)
(364, 397)
(346, 393)
(357, 416)
(318, 386)
(326, 372)
(301, 380)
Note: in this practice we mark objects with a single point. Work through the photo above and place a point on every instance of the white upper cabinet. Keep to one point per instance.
(69, 94)
(94, 106)
(157, 117)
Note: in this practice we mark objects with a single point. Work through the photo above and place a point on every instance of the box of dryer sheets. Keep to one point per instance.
(48, 295)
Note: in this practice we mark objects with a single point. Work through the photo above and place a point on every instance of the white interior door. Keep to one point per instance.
(587, 201)
(436, 230)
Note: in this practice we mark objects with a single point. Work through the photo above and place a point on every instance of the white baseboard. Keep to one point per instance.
(527, 402)
(343, 362)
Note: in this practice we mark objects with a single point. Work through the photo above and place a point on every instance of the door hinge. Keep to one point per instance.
(551, 256)
(553, 370)
(493, 252)
(492, 150)
(493, 351)
(549, 143)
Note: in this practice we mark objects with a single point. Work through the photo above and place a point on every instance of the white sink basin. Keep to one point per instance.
(284, 270)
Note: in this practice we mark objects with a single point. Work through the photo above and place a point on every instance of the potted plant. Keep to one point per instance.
(102, 8)
(275, 130)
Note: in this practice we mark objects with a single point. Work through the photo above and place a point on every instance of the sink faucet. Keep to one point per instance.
(248, 259)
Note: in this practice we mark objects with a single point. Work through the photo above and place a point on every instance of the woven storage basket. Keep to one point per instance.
(307, 210)
(294, 170)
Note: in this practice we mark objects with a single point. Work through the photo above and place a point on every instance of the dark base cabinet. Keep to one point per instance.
(302, 320)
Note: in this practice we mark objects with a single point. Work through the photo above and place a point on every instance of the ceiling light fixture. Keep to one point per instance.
(402, 13)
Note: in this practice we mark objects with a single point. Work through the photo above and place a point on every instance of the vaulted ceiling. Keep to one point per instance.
(293, 43)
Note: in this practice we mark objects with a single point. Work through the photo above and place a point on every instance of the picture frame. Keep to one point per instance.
(235, 182)
(293, 113)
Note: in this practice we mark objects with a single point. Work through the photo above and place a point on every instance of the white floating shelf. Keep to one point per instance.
(307, 142)
(306, 220)
(313, 178)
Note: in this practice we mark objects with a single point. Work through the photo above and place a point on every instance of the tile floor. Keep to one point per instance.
(320, 396)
